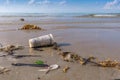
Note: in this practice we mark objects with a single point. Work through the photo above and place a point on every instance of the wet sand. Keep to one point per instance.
(85, 37)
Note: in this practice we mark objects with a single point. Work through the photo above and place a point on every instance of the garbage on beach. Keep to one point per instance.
(50, 68)
(30, 27)
(45, 40)
(39, 62)
(70, 57)
(84, 61)
(109, 63)
(3, 70)
(66, 69)
(10, 48)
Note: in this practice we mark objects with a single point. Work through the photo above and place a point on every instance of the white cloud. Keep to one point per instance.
(115, 4)
(31, 2)
(44, 2)
(62, 2)
(47, 2)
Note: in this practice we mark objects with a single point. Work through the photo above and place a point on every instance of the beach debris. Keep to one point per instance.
(84, 61)
(50, 68)
(39, 62)
(42, 41)
(21, 56)
(22, 19)
(10, 48)
(66, 56)
(109, 63)
(66, 69)
(31, 65)
(71, 57)
(3, 70)
(30, 27)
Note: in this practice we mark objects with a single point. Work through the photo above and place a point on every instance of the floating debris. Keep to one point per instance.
(3, 70)
(30, 27)
(66, 69)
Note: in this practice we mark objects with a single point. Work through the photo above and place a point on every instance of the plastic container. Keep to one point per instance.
(45, 40)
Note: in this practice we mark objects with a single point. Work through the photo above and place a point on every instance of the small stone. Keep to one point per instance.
(22, 19)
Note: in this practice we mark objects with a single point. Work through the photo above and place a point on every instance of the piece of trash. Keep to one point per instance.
(53, 67)
(66, 69)
(30, 27)
(31, 65)
(46, 40)
(10, 48)
(3, 70)
(39, 62)
(21, 56)
(50, 68)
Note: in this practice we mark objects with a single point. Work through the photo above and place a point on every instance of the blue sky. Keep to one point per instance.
(59, 6)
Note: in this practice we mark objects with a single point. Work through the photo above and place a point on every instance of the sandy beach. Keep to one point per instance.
(85, 36)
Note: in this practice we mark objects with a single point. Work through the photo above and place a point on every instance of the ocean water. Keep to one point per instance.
(72, 20)
(59, 14)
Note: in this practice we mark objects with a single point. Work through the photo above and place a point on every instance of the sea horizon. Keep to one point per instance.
(80, 14)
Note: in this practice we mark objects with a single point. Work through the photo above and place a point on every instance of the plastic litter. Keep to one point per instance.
(45, 40)
(50, 68)
(39, 62)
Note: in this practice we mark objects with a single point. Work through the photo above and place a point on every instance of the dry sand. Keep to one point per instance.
(99, 42)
